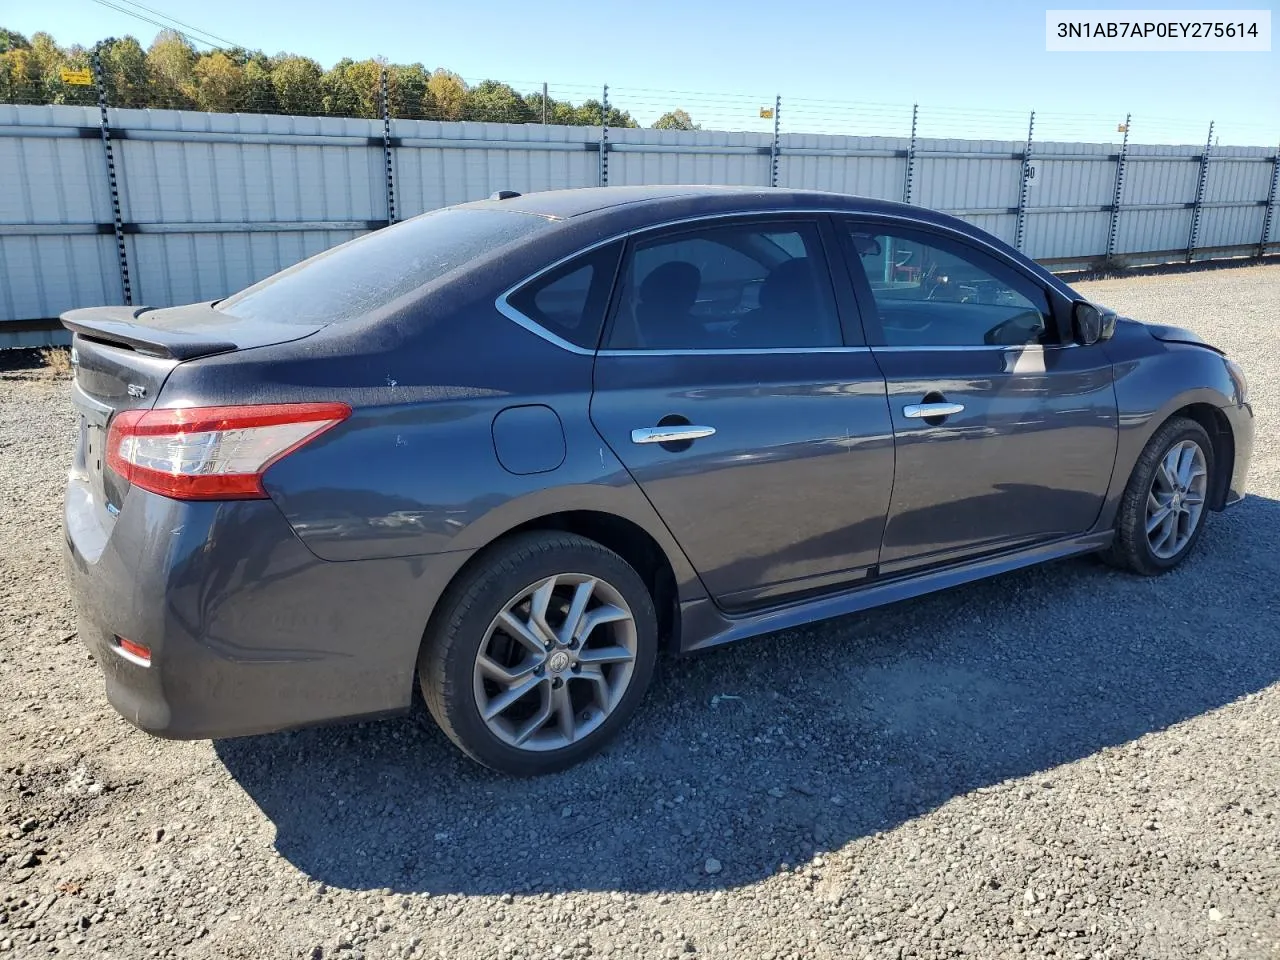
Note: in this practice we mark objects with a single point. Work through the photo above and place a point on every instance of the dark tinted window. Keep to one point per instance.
(931, 292)
(720, 265)
(570, 301)
(371, 271)
(740, 286)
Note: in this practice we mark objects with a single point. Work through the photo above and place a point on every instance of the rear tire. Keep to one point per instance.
(1164, 505)
(511, 680)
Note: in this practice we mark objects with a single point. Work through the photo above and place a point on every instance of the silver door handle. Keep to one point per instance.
(929, 410)
(670, 434)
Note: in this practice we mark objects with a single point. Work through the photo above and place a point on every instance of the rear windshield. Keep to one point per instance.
(371, 271)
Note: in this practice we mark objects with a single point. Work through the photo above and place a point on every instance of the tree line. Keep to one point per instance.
(173, 74)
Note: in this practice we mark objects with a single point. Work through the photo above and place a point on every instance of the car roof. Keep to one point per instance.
(580, 201)
(603, 211)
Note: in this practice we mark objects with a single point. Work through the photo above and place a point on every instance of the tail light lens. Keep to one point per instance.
(212, 453)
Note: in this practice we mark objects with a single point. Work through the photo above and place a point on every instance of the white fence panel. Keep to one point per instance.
(679, 156)
(48, 183)
(439, 164)
(866, 166)
(213, 202)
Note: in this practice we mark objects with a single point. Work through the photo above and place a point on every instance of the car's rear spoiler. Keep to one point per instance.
(120, 326)
(178, 333)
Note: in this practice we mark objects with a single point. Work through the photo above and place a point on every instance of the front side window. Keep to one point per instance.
(930, 292)
(726, 287)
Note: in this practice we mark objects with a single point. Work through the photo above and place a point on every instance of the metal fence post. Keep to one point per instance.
(776, 149)
(1193, 235)
(1117, 194)
(1270, 213)
(604, 138)
(386, 151)
(544, 103)
(1021, 229)
(122, 255)
(911, 155)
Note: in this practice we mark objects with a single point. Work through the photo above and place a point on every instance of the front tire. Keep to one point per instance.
(540, 653)
(1163, 509)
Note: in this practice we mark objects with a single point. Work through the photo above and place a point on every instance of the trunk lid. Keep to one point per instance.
(122, 357)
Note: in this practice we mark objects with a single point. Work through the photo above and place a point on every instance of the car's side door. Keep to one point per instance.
(1006, 430)
(751, 416)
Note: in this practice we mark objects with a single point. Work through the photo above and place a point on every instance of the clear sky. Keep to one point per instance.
(975, 68)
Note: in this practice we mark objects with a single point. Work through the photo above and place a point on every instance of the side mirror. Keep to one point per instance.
(1091, 324)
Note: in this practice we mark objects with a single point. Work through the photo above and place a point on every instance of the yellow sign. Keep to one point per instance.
(1122, 128)
(766, 113)
(79, 78)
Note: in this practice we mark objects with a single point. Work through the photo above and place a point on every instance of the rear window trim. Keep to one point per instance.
(504, 306)
(1050, 283)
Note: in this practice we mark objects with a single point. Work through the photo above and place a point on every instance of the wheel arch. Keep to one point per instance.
(624, 537)
(636, 546)
(1218, 428)
(1140, 418)
(617, 518)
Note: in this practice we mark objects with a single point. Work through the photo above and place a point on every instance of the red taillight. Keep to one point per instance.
(137, 652)
(212, 453)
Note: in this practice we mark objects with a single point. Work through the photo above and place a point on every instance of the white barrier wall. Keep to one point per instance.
(212, 202)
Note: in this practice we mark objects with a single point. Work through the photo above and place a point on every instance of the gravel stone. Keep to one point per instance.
(1060, 762)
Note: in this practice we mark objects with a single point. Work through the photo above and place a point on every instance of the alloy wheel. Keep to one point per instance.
(555, 662)
(1175, 500)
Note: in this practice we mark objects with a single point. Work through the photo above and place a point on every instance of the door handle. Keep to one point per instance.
(672, 434)
(927, 411)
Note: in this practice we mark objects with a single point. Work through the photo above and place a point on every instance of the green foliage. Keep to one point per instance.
(20, 77)
(588, 115)
(449, 93)
(124, 72)
(498, 102)
(408, 91)
(338, 95)
(675, 120)
(296, 82)
(259, 86)
(621, 118)
(171, 62)
(220, 83)
(11, 40)
(173, 74)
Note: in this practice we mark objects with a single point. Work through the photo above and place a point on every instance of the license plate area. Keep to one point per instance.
(91, 450)
(95, 457)
(90, 459)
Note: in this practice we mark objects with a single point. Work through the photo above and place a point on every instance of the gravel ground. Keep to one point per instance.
(1064, 762)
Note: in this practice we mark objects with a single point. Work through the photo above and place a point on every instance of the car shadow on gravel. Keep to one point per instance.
(777, 749)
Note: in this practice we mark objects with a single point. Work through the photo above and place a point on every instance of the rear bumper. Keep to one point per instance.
(249, 632)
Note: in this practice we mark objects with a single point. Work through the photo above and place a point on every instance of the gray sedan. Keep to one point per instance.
(506, 452)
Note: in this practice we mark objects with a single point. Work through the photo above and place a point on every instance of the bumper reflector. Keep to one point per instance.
(136, 652)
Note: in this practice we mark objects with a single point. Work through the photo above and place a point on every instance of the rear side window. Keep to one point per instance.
(570, 301)
(372, 271)
(754, 285)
